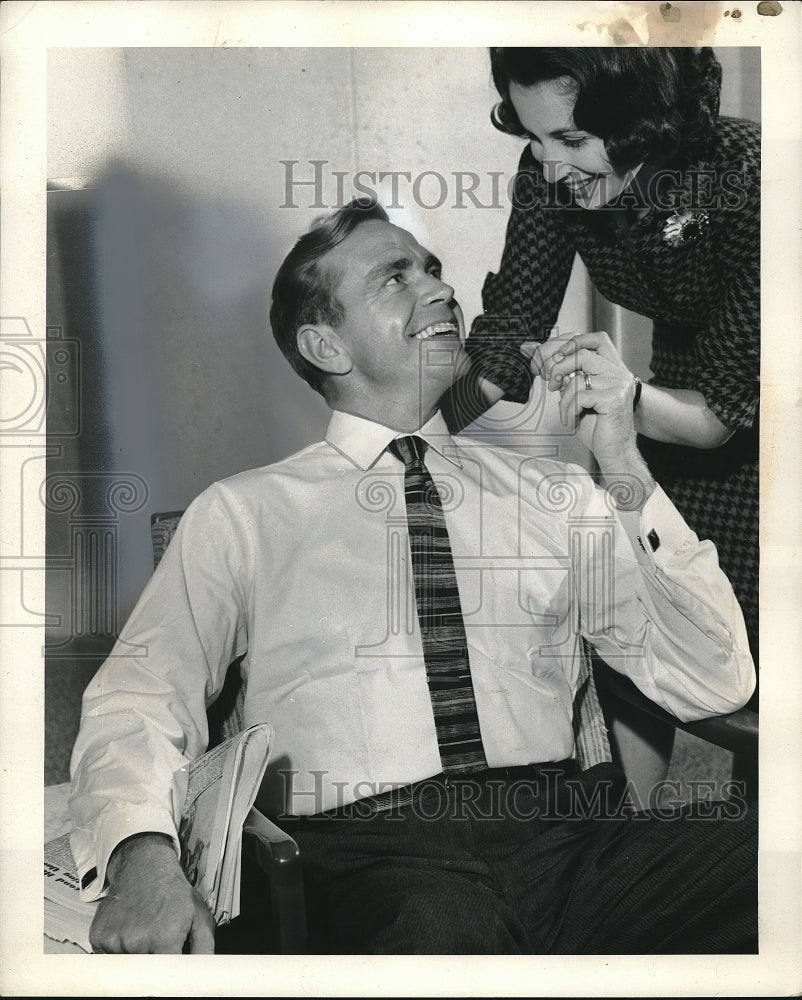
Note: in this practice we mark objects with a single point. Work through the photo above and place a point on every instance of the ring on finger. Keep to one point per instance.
(588, 384)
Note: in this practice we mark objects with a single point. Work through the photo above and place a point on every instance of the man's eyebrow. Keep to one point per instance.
(385, 268)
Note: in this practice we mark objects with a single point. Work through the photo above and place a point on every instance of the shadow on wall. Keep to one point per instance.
(163, 377)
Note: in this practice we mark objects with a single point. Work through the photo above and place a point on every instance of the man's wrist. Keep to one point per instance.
(627, 480)
(148, 848)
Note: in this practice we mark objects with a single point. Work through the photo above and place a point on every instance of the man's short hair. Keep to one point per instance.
(304, 292)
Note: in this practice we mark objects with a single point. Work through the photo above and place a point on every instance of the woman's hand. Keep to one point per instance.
(590, 376)
(596, 393)
(592, 353)
(676, 416)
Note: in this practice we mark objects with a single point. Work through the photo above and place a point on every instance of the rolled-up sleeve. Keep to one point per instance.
(144, 713)
(657, 607)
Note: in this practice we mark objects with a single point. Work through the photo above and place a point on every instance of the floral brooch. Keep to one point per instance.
(684, 227)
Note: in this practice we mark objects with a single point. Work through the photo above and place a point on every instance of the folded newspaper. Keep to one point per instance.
(221, 789)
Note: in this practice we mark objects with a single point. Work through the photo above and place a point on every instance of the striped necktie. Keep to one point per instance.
(445, 647)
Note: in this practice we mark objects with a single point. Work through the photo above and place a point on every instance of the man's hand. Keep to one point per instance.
(596, 393)
(150, 907)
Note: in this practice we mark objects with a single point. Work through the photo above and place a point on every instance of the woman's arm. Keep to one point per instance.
(675, 416)
(520, 302)
(679, 416)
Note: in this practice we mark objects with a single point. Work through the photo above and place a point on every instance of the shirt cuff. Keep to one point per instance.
(658, 532)
(92, 855)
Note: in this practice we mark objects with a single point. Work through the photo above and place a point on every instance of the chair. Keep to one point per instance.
(737, 732)
(265, 846)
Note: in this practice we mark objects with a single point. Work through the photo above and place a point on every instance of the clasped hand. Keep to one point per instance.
(596, 388)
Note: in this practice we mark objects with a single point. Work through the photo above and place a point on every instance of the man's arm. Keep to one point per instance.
(653, 599)
(144, 720)
(600, 405)
(150, 907)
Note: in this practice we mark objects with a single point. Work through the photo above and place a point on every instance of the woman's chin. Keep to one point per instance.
(591, 198)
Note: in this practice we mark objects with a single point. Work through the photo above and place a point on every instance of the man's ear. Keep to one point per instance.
(322, 346)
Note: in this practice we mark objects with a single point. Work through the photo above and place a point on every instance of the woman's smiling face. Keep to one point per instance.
(568, 155)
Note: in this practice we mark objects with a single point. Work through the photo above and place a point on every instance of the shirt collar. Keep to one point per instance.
(363, 441)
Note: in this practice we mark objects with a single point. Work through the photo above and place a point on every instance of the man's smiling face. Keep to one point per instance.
(403, 328)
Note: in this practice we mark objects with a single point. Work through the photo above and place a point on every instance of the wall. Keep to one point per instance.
(181, 151)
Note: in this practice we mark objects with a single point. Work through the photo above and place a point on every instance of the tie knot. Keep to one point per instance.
(409, 449)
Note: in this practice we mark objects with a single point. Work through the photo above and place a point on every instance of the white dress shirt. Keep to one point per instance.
(303, 567)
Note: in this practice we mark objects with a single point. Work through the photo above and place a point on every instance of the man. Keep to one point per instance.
(417, 657)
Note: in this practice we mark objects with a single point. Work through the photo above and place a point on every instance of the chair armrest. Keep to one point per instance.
(277, 855)
(275, 851)
(737, 731)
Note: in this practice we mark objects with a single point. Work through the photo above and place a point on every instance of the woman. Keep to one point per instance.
(629, 164)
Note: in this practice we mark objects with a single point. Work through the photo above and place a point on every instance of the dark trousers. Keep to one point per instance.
(529, 866)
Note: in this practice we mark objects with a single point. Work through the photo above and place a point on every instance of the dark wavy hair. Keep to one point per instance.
(649, 105)
(304, 292)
